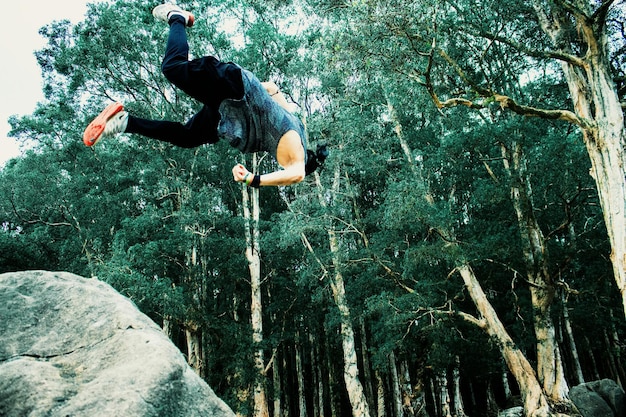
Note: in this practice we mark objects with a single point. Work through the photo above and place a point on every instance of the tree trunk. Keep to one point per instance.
(367, 370)
(457, 401)
(443, 397)
(380, 395)
(278, 389)
(195, 357)
(251, 198)
(578, 376)
(356, 394)
(350, 366)
(300, 373)
(395, 381)
(542, 289)
(316, 369)
(597, 104)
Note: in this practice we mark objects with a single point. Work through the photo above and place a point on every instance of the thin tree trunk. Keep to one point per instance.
(457, 399)
(578, 376)
(542, 289)
(300, 373)
(350, 367)
(278, 389)
(356, 394)
(316, 370)
(443, 397)
(367, 370)
(380, 395)
(395, 385)
(251, 198)
(193, 334)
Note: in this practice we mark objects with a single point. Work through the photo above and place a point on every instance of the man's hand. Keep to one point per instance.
(239, 172)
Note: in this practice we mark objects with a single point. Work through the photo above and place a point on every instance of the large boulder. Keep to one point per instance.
(603, 398)
(71, 346)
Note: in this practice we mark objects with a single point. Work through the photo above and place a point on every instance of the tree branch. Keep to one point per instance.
(599, 16)
(535, 53)
(508, 102)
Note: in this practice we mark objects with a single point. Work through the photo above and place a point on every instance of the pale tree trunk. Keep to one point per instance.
(356, 394)
(542, 289)
(278, 410)
(408, 393)
(505, 385)
(300, 372)
(380, 395)
(457, 399)
(251, 217)
(443, 397)
(350, 366)
(395, 380)
(193, 334)
(578, 376)
(599, 112)
(195, 357)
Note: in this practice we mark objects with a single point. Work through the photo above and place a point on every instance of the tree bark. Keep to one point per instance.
(443, 397)
(578, 376)
(380, 395)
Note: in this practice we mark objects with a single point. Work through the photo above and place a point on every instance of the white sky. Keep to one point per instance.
(20, 77)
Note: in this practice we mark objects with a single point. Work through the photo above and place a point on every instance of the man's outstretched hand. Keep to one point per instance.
(240, 172)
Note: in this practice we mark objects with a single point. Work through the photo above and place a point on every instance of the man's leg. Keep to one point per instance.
(206, 79)
(200, 129)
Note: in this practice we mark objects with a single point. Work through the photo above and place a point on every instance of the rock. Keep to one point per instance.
(602, 398)
(71, 346)
(512, 412)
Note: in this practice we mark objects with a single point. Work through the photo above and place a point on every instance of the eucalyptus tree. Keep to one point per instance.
(560, 41)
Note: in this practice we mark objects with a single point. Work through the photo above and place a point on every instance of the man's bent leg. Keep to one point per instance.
(200, 129)
(206, 79)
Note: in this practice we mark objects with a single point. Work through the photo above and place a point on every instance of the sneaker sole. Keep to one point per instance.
(190, 19)
(93, 132)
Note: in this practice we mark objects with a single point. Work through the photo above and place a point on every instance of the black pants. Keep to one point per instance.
(206, 79)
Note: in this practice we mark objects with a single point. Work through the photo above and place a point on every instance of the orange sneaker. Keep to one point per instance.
(113, 119)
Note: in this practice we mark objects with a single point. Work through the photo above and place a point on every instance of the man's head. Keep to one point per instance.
(315, 159)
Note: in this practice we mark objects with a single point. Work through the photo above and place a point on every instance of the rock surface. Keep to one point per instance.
(603, 398)
(71, 346)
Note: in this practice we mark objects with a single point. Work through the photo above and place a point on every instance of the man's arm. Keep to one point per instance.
(288, 176)
(289, 154)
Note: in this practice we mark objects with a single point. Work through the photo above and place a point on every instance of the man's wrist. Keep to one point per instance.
(256, 181)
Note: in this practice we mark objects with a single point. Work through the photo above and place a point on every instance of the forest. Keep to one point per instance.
(461, 251)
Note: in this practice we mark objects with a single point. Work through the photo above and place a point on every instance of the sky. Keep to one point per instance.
(20, 77)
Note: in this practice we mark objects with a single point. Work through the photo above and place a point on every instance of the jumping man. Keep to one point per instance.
(253, 116)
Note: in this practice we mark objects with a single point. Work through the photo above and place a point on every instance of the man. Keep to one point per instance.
(251, 115)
